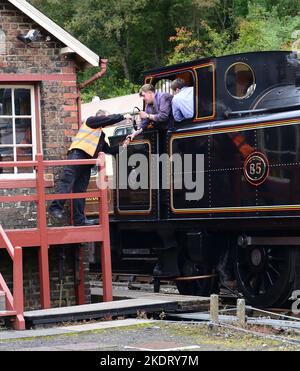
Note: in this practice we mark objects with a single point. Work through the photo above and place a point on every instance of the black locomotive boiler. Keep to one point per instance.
(244, 225)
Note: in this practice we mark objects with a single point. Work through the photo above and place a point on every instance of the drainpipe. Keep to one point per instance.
(97, 76)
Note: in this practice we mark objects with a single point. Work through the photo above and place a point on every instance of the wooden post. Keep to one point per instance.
(241, 312)
(80, 290)
(42, 226)
(19, 322)
(104, 224)
(214, 308)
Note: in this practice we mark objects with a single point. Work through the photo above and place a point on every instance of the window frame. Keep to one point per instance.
(152, 79)
(34, 129)
(122, 127)
(246, 96)
(198, 117)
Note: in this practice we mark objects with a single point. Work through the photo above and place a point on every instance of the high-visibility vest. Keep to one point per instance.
(87, 140)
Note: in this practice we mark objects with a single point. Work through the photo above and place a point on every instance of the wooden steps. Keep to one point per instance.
(149, 304)
(8, 313)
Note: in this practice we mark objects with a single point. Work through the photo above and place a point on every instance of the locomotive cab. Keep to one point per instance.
(243, 146)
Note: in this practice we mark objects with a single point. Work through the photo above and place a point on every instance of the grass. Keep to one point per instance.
(230, 339)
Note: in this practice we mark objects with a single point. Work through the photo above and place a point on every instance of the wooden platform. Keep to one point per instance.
(149, 303)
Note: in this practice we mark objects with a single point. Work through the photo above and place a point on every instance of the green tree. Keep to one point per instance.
(109, 27)
(264, 30)
(136, 35)
(61, 11)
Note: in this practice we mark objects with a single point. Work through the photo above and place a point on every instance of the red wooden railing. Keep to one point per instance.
(44, 236)
(15, 302)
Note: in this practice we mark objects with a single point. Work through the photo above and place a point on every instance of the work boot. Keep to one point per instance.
(55, 214)
(85, 222)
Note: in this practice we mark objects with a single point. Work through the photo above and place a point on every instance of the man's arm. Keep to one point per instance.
(96, 122)
(178, 116)
(165, 109)
(110, 150)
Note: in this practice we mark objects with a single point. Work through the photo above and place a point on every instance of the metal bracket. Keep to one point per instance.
(245, 241)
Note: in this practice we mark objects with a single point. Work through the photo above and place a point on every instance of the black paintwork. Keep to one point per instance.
(225, 183)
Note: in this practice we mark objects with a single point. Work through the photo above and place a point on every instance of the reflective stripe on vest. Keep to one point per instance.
(87, 140)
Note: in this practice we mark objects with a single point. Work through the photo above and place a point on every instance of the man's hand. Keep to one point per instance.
(131, 137)
(126, 142)
(128, 118)
(143, 115)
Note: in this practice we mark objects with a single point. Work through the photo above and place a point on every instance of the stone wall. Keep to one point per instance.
(64, 277)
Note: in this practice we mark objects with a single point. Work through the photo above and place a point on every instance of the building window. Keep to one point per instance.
(17, 128)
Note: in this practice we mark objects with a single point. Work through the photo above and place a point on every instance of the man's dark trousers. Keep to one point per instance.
(76, 180)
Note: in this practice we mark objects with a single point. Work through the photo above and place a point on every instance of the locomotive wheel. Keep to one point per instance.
(200, 287)
(266, 274)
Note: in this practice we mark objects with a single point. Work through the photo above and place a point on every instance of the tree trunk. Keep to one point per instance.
(125, 66)
(124, 51)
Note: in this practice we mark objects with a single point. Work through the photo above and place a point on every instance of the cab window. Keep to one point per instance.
(240, 81)
(123, 131)
(162, 83)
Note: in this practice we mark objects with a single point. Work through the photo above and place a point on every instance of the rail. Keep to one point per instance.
(15, 301)
(44, 236)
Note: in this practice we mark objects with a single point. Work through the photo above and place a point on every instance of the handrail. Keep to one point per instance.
(16, 302)
(9, 247)
(48, 163)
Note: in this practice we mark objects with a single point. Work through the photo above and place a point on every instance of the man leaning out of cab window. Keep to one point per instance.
(158, 109)
(183, 101)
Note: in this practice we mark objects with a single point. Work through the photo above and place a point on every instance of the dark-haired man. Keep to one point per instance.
(158, 109)
(183, 101)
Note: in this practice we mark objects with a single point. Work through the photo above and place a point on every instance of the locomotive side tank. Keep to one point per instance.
(242, 223)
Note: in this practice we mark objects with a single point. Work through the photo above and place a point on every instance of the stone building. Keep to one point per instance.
(39, 113)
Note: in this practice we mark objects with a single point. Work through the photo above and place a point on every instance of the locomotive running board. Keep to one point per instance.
(244, 241)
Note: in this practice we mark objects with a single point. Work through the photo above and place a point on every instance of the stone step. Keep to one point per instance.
(8, 313)
(2, 301)
(150, 304)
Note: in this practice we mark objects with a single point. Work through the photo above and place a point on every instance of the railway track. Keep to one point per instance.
(145, 283)
(274, 323)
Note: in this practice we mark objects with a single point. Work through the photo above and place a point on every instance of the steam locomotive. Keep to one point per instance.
(243, 224)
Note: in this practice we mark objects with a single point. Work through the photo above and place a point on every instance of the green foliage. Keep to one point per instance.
(61, 11)
(264, 30)
(136, 35)
(187, 47)
(109, 86)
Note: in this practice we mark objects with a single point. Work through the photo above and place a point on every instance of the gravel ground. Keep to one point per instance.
(157, 335)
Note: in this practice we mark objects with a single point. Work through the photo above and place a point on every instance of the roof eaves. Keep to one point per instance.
(54, 29)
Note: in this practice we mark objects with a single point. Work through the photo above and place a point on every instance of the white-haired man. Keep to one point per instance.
(89, 141)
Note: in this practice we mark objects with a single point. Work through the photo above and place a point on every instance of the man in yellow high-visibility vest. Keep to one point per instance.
(89, 141)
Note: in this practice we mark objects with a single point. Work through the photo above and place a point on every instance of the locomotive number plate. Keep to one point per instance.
(256, 168)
